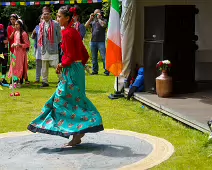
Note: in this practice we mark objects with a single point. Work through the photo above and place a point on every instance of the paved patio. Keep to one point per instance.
(193, 109)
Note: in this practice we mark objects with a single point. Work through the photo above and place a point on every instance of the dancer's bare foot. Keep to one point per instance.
(75, 141)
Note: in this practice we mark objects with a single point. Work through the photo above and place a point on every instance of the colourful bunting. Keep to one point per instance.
(30, 3)
(38, 3)
(23, 3)
(13, 4)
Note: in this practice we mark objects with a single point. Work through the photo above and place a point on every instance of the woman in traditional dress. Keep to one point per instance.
(76, 18)
(11, 30)
(69, 111)
(19, 65)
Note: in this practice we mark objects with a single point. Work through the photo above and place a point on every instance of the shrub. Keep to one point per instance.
(31, 55)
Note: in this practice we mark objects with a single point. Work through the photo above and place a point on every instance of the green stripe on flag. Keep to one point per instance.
(115, 5)
(84, 1)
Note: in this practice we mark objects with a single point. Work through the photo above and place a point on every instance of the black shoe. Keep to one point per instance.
(27, 82)
(94, 73)
(44, 85)
(4, 81)
(107, 73)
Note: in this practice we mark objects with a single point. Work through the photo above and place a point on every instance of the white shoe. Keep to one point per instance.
(18, 85)
(87, 68)
(13, 86)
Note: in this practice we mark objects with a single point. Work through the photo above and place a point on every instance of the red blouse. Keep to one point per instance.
(73, 47)
(10, 30)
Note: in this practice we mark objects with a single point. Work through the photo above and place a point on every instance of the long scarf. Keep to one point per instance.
(50, 33)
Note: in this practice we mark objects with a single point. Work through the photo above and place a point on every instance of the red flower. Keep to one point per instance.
(170, 65)
(73, 10)
(160, 64)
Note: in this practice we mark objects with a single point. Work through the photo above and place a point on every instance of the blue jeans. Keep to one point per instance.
(95, 47)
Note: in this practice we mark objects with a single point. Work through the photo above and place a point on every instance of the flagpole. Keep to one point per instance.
(11, 65)
(117, 94)
(113, 52)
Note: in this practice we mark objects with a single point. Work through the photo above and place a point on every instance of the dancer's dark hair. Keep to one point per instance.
(69, 11)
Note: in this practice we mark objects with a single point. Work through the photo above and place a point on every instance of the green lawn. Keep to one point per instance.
(191, 146)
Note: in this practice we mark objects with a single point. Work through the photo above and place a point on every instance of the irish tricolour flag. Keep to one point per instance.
(113, 53)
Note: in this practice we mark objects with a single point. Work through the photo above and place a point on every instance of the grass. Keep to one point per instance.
(191, 146)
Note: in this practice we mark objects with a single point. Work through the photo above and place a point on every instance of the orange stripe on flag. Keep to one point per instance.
(113, 58)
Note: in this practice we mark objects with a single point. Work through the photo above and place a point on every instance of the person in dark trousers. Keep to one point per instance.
(3, 53)
(99, 25)
(138, 84)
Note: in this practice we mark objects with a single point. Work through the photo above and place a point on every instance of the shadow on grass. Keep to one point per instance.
(52, 85)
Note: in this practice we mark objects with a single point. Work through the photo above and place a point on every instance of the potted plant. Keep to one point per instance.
(164, 82)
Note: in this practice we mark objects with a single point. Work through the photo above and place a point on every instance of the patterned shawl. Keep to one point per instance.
(50, 33)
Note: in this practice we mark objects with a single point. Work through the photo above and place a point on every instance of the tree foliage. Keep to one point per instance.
(106, 9)
(30, 14)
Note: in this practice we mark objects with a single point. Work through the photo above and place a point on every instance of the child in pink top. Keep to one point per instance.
(19, 65)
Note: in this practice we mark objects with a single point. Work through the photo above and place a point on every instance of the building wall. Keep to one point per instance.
(203, 30)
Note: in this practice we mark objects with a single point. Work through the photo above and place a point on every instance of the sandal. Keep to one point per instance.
(75, 141)
(72, 143)
(27, 82)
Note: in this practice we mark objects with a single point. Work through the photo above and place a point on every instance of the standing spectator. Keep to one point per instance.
(11, 30)
(76, 19)
(19, 65)
(35, 35)
(98, 24)
(3, 52)
(49, 39)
